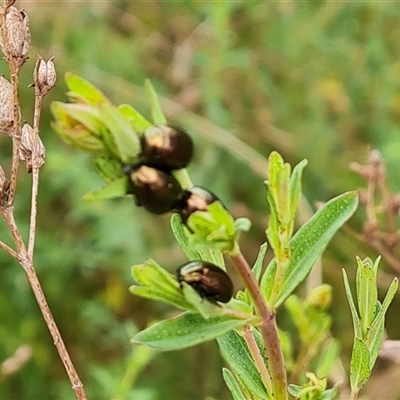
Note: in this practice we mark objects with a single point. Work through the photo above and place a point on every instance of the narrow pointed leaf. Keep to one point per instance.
(156, 110)
(353, 310)
(86, 115)
(182, 238)
(84, 89)
(138, 122)
(186, 330)
(205, 308)
(159, 284)
(295, 186)
(233, 385)
(236, 353)
(112, 190)
(110, 169)
(125, 137)
(367, 292)
(359, 365)
(375, 335)
(258, 265)
(157, 294)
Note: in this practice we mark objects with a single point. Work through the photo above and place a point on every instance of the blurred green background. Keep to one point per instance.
(316, 80)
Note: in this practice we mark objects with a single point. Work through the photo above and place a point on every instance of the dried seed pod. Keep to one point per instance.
(29, 143)
(166, 147)
(18, 36)
(209, 281)
(44, 75)
(6, 106)
(194, 199)
(157, 191)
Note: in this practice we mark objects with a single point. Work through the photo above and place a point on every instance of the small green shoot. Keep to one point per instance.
(368, 321)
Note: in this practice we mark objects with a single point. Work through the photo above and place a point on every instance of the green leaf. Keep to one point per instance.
(205, 308)
(181, 234)
(110, 169)
(375, 335)
(126, 139)
(278, 187)
(353, 310)
(367, 293)
(374, 339)
(233, 385)
(156, 110)
(236, 353)
(158, 284)
(80, 138)
(138, 122)
(308, 244)
(112, 190)
(83, 89)
(295, 187)
(82, 113)
(186, 330)
(359, 365)
(258, 265)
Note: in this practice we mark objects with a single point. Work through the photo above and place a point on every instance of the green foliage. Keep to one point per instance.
(307, 245)
(236, 353)
(186, 330)
(158, 284)
(314, 389)
(232, 385)
(210, 234)
(368, 322)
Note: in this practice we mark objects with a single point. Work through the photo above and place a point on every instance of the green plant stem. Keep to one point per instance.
(183, 178)
(268, 329)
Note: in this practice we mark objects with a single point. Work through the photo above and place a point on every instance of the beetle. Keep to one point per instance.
(157, 191)
(194, 199)
(166, 147)
(209, 281)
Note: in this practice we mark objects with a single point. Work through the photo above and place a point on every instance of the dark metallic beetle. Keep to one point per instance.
(157, 191)
(194, 199)
(166, 147)
(209, 281)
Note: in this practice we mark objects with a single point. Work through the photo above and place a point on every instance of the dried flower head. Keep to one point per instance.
(32, 151)
(44, 75)
(6, 106)
(16, 44)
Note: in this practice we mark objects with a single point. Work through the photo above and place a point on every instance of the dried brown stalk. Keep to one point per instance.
(382, 210)
(28, 148)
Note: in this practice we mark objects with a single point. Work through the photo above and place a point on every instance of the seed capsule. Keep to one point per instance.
(157, 191)
(166, 147)
(194, 199)
(209, 281)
